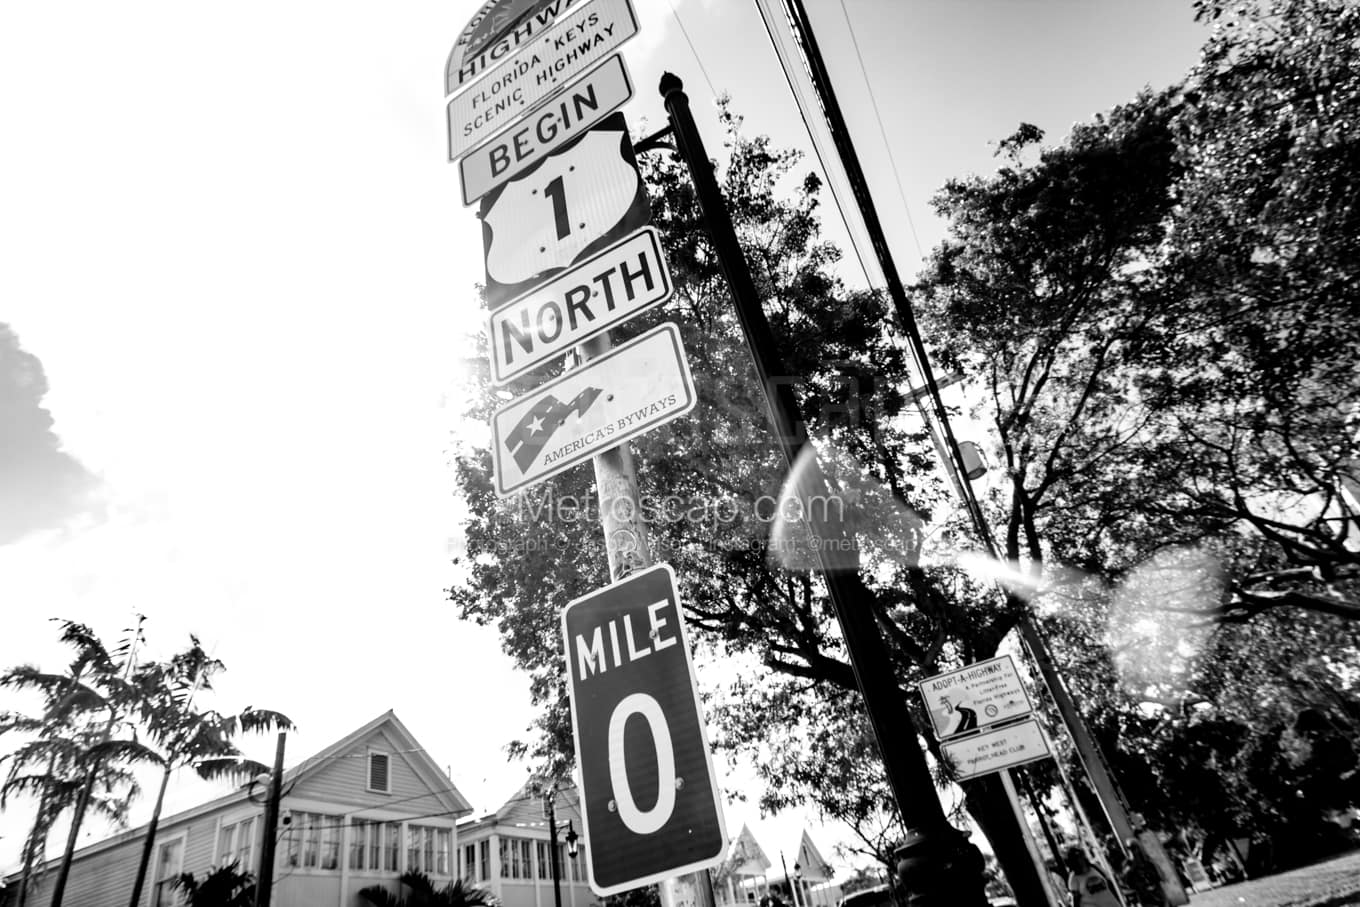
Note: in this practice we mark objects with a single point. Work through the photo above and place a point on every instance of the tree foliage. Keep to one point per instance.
(1157, 318)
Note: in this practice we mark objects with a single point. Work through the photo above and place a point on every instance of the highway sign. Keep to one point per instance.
(606, 289)
(627, 392)
(497, 30)
(975, 696)
(649, 797)
(600, 92)
(537, 70)
(995, 749)
(576, 200)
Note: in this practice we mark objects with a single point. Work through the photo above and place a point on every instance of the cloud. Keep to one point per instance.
(41, 486)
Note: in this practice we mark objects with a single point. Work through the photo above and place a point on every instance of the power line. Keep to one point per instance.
(695, 53)
(816, 145)
(892, 158)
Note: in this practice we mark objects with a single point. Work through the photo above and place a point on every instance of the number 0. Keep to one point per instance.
(637, 821)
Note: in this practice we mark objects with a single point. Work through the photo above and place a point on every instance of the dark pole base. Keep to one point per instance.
(940, 868)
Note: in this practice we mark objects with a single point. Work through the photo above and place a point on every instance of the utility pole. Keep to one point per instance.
(1097, 769)
(937, 864)
(264, 883)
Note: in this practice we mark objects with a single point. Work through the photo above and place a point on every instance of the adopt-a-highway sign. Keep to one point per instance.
(575, 201)
(628, 391)
(649, 797)
(975, 696)
(601, 292)
(580, 106)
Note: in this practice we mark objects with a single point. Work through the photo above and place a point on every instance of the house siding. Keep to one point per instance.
(106, 877)
(344, 779)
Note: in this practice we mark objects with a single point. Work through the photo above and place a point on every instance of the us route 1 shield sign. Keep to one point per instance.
(517, 85)
(649, 798)
(606, 289)
(599, 93)
(573, 202)
(975, 696)
(628, 391)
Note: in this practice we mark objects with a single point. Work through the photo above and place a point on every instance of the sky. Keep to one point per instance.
(236, 287)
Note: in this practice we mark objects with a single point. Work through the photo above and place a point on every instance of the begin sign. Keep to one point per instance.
(649, 800)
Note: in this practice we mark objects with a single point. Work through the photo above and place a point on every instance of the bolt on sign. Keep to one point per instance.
(576, 200)
(536, 71)
(606, 289)
(649, 801)
(566, 115)
(630, 390)
(975, 696)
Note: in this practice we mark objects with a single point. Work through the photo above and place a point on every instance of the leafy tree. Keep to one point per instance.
(424, 894)
(224, 886)
(710, 483)
(1264, 262)
(1157, 320)
(184, 735)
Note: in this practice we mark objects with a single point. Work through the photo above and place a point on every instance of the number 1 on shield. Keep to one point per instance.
(555, 191)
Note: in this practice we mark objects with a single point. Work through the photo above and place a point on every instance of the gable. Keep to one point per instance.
(351, 776)
(525, 810)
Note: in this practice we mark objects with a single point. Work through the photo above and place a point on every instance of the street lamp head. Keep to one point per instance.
(572, 838)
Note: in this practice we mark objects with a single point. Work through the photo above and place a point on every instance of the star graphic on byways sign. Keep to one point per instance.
(535, 425)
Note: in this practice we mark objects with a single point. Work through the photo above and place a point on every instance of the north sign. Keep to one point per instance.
(975, 696)
(536, 71)
(995, 749)
(604, 290)
(628, 391)
(600, 92)
(649, 798)
(575, 201)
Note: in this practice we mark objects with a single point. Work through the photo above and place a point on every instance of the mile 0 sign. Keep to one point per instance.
(648, 794)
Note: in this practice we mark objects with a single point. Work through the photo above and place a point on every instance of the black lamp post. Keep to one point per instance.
(552, 845)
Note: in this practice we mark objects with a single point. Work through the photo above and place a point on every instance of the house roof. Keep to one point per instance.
(426, 768)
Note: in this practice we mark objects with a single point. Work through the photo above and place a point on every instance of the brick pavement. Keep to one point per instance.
(1334, 883)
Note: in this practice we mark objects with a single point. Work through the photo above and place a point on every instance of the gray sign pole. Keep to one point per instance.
(625, 533)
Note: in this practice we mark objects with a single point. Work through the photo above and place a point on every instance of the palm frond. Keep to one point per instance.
(129, 751)
(254, 720)
(379, 896)
(232, 768)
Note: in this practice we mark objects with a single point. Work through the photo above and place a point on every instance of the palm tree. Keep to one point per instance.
(424, 894)
(84, 761)
(63, 695)
(188, 737)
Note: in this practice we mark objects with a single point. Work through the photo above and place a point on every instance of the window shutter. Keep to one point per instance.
(377, 772)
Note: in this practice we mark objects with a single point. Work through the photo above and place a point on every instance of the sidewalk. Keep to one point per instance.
(1330, 884)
